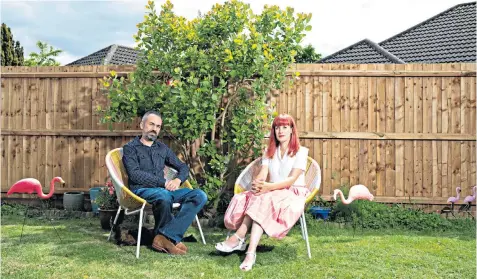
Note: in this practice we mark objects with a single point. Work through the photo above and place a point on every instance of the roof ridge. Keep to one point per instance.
(384, 52)
(133, 48)
(84, 57)
(110, 54)
(426, 21)
(372, 44)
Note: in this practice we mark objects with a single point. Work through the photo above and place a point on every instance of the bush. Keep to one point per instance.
(374, 215)
(319, 201)
(13, 209)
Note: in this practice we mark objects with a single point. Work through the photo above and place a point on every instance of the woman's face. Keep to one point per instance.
(283, 133)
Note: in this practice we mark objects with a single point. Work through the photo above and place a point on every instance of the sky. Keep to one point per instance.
(80, 28)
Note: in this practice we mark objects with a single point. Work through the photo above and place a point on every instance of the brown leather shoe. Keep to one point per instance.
(162, 244)
(181, 246)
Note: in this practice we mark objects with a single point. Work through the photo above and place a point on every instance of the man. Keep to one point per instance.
(144, 159)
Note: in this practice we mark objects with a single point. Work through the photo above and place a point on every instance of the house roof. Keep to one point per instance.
(111, 55)
(447, 37)
(363, 52)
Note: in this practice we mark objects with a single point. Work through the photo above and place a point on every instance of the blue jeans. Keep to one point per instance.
(173, 227)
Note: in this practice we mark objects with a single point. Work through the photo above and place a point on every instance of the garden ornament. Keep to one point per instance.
(468, 203)
(451, 200)
(30, 185)
(357, 192)
(470, 199)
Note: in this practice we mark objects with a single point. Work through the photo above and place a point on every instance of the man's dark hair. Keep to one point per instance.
(155, 112)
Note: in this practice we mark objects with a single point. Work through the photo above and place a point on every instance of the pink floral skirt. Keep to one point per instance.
(276, 211)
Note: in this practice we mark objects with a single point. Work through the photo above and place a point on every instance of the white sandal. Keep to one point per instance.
(241, 246)
(248, 267)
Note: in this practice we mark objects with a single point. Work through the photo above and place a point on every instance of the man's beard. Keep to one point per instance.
(151, 137)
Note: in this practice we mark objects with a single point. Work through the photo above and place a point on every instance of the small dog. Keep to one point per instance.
(128, 237)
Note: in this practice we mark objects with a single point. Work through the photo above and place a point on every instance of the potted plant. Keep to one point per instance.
(321, 208)
(73, 201)
(107, 205)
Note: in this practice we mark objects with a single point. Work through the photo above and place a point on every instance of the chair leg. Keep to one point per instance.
(228, 235)
(306, 235)
(114, 223)
(200, 229)
(301, 226)
(139, 232)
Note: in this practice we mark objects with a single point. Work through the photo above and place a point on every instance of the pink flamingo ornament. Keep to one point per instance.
(468, 202)
(30, 186)
(470, 199)
(357, 192)
(452, 201)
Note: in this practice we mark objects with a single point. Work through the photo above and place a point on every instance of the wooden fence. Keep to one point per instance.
(405, 131)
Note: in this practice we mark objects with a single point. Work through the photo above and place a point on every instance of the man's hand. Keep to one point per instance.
(173, 185)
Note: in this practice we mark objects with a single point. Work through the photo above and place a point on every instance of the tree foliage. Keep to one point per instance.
(46, 56)
(210, 78)
(307, 55)
(12, 51)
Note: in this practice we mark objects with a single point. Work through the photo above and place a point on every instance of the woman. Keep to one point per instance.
(272, 207)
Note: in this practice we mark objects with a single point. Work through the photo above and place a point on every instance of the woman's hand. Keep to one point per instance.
(259, 186)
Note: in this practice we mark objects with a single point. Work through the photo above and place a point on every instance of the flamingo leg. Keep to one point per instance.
(51, 222)
(468, 209)
(452, 210)
(24, 220)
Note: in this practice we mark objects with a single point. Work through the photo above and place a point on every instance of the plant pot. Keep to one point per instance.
(320, 212)
(93, 194)
(73, 201)
(106, 218)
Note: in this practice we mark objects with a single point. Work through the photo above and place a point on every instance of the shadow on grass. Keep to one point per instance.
(260, 249)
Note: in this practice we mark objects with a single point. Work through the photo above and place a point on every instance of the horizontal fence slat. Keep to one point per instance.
(383, 199)
(332, 73)
(384, 73)
(386, 136)
(406, 200)
(303, 135)
(46, 190)
(72, 133)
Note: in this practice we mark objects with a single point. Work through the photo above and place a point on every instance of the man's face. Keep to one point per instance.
(151, 127)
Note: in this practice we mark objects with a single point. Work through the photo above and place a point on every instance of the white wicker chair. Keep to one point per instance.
(128, 201)
(312, 180)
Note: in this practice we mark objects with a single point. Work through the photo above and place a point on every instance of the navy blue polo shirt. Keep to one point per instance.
(145, 164)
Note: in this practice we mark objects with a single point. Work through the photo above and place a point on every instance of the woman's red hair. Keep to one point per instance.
(293, 145)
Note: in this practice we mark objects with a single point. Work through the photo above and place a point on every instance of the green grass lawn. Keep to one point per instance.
(84, 253)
